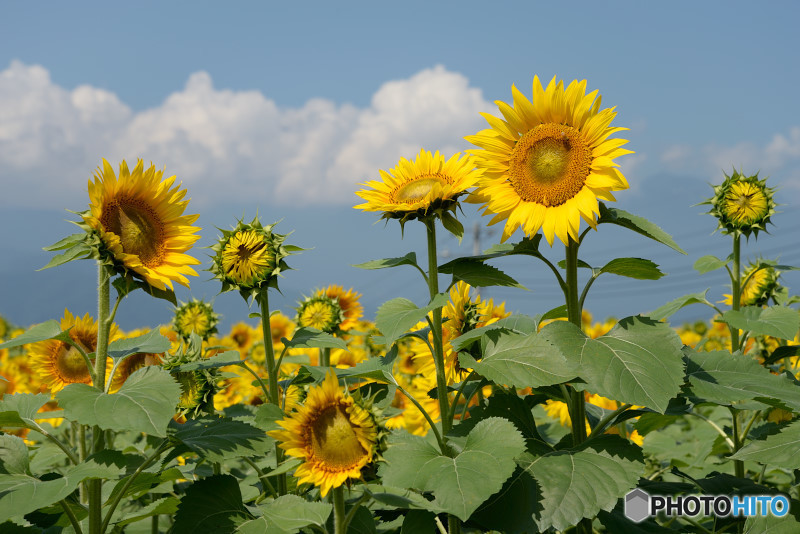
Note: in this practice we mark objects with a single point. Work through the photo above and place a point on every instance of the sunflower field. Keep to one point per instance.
(445, 416)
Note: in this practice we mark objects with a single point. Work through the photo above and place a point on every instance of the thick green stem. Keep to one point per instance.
(736, 288)
(338, 511)
(738, 465)
(438, 350)
(272, 375)
(325, 357)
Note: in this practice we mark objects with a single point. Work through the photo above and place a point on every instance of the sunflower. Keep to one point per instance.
(195, 317)
(742, 204)
(760, 283)
(280, 326)
(58, 363)
(134, 362)
(415, 189)
(348, 301)
(547, 162)
(320, 312)
(334, 436)
(141, 225)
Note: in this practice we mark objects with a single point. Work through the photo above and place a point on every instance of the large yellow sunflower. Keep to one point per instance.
(332, 434)
(547, 161)
(57, 363)
(425, 186)
(140, 221)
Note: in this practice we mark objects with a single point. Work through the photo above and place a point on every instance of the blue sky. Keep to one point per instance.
(285, 108)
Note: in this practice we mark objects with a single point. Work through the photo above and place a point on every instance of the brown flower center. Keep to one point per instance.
(549, 164)
(417, 189)
(139, 229)
(333, 439)
(71, 366)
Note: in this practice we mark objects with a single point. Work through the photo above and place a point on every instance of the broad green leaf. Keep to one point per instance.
(637, 268)
(640, 225)
(519, 323)
(13, 455)
(163, 506)
(638, 362)
(77, 251)
(616, 521)
(211, 505)
(260, 525)
(452, 225)
(395, 317)
(408, 259)
(125, 284)
(462, 483)
(312, 338)
(20, 409)
(580, 483)
(223, 359)
(217, 439)
(152, 342)
(672, 306)
(145, 403)
(522, 360)
(709, 263)
(777, 321)
(40, 332)
(66, 242)
(724, 378)
(147, 483)
(781, 449)
(529, 246)
(266, 417)
(520, 494)
(417, 521)
(770, 524)
(478, 274)
(291, 512)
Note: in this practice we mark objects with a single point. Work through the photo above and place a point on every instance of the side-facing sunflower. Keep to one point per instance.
(348, 301)
(548, 160)
(427, 186)
(58, 363)
(195, 317)
(759, 284)
(134, 362)
(321, 312)
(140, 223)
(331, 433)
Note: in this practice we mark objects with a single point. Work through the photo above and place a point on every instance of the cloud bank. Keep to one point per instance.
(224, 145)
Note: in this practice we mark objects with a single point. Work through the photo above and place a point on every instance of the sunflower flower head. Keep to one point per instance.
(195, 317)
(250, 257)
(332, 433)
(742, 204)
(321, 312)
(428, 186)
(198, 387)
(759, 284)
(348, 301)
(135, 224)
(548, 160)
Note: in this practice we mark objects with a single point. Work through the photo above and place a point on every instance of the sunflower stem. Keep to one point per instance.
(736, 288)
(339, 516)
(325, 357)
(272, 375)
(438, 350)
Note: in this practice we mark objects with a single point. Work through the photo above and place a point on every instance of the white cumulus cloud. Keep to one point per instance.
(223, 144)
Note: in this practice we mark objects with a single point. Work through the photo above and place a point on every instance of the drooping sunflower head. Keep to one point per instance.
(195, 317)
(250, 257)
(58, 363)
(331, 433)
(427, 186)
(321, 312)
(133, 363)
(348, 301)
(742, 204)
(197, 387)
(759, 284)
(548, 161)
(139, 224)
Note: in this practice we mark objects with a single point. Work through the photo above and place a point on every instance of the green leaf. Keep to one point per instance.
(776, 321)
(640, 225)
(211, 505)
(266, 417)
(452, 225)
(417, 521)
(770, 524)
(145, 403)
(706, 264)
(637, 268)
(408, 259)
(291, 512)
(528, 247)
(779, 449)
(478, 274)
(520, 493)
(163, 506)
(462, 483)
(522, 360)
(66, 242)
(77, 251)
(307, 338)
(724, 378)
(40, 332)
(395, 317)
(580, 483)
(672, 306)
(19, 410)
(219, 439)
(147, 483)
(152, 342)
(125, 284)
(517, 322)
(13, 455)
(223, 359)
(638, 362)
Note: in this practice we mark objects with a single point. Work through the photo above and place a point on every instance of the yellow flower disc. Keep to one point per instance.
(745, 203)
(247, 258)
(320, 312)
(139, 219)
(334, 436)
(348, 301)
(547, 161)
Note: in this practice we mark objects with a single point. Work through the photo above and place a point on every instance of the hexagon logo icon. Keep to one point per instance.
(637, 505)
